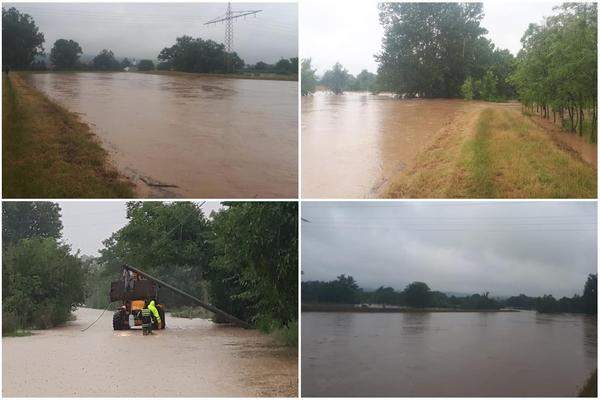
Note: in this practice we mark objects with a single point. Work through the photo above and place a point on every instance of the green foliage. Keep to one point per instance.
(21, 39)
(343, 290)
(336, 78)
(466, 90)
(146, 65)
(198, 55)
(286, 335)
(254, 273)
(65, 54)
(308, 78)
(417, 294)
(285, 66)
(106, 61)
(41, 284)
(557, 67)
(590, 295)
(28, 219)
(547, 304)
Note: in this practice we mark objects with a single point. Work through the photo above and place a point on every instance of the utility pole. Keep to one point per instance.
(228, 18)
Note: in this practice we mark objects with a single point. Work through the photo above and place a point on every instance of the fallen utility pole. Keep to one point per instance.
(209, 307)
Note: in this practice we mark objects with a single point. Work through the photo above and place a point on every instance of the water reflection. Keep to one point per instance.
(190, 136)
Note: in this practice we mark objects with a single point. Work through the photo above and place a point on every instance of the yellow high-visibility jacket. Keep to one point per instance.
(152, 307)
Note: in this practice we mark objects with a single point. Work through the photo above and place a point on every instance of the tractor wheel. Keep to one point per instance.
(118, 320)
(163, 324)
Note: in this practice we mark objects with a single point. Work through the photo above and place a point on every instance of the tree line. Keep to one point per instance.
(345, 290)
(242, 259)
(556, 70)
(23, 47)
(337, 80)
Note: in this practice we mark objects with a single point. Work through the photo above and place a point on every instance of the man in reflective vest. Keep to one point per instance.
(154, 310)
(146, 321)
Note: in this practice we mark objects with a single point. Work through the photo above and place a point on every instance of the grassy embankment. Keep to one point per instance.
(590, 389)
(330, 307)
(241, 75)
(496, 152)
(49, 153)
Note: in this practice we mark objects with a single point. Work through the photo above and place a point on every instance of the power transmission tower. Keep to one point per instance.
(228, 18)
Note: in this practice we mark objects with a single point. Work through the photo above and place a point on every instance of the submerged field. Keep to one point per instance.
(48, 152)
(359, 145)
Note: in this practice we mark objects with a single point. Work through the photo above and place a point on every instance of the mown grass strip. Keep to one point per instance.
(482, 185)
(49, 153)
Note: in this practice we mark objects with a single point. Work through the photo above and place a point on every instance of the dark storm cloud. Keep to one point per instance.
(505, 248)
(141, 30)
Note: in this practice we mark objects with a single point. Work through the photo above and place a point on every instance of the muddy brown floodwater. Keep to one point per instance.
(190, 358)
(352, 144)
(189, 136)
(514, 354)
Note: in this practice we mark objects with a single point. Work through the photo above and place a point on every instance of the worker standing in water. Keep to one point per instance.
(154, 310)
(146, 320)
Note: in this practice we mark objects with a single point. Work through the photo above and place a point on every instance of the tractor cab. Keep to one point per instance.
(132, 291)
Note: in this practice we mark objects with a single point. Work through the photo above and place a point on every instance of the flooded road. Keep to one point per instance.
(191, 358)
(352, 144)
(447, 354)
(186, 135)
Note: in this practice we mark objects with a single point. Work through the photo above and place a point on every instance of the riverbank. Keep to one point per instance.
(492, 150)
(330, 307)
(242, 75)
(49, 153)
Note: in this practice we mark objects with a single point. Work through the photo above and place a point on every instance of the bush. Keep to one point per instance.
(42, 284)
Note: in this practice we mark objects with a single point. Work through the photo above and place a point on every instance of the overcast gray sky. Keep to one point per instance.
(141, 30)
(505, 248)
(349, 32)
(86, 224)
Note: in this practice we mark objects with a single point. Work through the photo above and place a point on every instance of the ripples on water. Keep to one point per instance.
(203, 136)
(446, 354)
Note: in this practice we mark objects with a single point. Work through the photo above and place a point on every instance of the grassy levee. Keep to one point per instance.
(590, 389)
(49, 153)
(493, 151)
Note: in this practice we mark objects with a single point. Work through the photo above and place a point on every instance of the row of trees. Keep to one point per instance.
(556, 70)
(285, 66)
(243, 259)
(337, 79)
(345, 290)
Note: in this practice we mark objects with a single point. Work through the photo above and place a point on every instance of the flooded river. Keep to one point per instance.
(189, 136)
(191, 358)
(353, 143)
(446, 354)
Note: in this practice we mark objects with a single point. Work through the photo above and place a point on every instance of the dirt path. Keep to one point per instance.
(193, 358)
(492, 150)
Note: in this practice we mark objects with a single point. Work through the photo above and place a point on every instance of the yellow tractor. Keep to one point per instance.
(133, 290)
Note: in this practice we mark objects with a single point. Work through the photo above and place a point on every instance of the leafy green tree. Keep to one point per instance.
(417, 294)
(28, 219)
(429, 49)
(254, 273)
(42, 284)
(365, 81)
(262, 66)
(106, 61)
(198, 55)
(590, 294)
(125, 63)
(145, 65)
(336, 79)
(467, 89)
(21, 39)
(65, 54)
(547, 304)
(487, 89)
(283, 66)
(308, 79)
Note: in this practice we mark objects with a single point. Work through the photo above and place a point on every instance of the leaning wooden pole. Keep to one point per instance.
(210, 308)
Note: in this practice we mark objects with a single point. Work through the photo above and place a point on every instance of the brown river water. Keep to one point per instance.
(352, 144)
(189, 136)
(447, 354)
(191, 358)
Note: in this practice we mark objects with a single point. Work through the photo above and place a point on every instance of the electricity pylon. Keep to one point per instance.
(228, 18)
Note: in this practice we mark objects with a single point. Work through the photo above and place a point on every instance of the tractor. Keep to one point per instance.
(132, 291)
